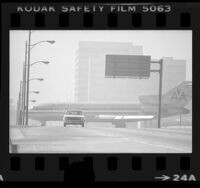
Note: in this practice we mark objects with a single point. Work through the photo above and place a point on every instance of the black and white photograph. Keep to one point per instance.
(100, 91)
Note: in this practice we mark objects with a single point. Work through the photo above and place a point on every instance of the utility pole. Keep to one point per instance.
(24, 84)
(160, 93)
(23, 93)
(17, 114)
(89, 70)
(19, 106)
(27, 81)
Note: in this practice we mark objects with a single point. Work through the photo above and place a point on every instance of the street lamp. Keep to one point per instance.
(32, 101)
(48, 41)
(36, 92)
(39, 79)
(30, 47)
(44, 62)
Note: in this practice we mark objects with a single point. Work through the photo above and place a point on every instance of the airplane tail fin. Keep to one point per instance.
(179, 96)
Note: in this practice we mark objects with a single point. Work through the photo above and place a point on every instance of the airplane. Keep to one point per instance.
(173, 103)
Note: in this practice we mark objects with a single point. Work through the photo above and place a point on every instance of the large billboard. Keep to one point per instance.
(136, 66)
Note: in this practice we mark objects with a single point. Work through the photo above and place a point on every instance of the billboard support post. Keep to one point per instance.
(135, 67)
(160, 71)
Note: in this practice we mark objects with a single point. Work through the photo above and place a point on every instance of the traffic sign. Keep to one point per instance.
(134, 66)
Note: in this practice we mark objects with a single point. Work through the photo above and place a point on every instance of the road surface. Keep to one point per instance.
(58, 139)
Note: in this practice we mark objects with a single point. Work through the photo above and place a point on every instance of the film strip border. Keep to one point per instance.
(106, 167)
(139, 167)
(88, 20)
(112, 163)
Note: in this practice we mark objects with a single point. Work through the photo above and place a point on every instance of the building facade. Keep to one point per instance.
(91, 85)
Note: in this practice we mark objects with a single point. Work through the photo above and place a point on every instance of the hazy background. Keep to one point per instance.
(58, 84)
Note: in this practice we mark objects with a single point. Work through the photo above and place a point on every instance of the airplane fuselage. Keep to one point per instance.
(93, 115)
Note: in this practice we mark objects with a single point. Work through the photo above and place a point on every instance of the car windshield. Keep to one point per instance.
(74, 113)
(73, 118)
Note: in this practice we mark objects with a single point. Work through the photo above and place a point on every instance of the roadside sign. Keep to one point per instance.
(135, 66)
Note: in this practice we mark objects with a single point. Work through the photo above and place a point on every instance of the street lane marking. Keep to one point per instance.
(162, 146)
(143, 142)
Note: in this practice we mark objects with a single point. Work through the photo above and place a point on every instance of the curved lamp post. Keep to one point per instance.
(48, 41)
(44, 62)
(30, 47)
(39, 79)
(32, 101)
(36, 92)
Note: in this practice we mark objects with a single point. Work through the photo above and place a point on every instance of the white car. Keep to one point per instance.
(74, 118)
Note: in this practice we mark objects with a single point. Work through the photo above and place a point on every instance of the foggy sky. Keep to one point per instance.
(58, 84)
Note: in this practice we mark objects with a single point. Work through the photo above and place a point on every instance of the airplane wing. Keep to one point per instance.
(126, 118)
